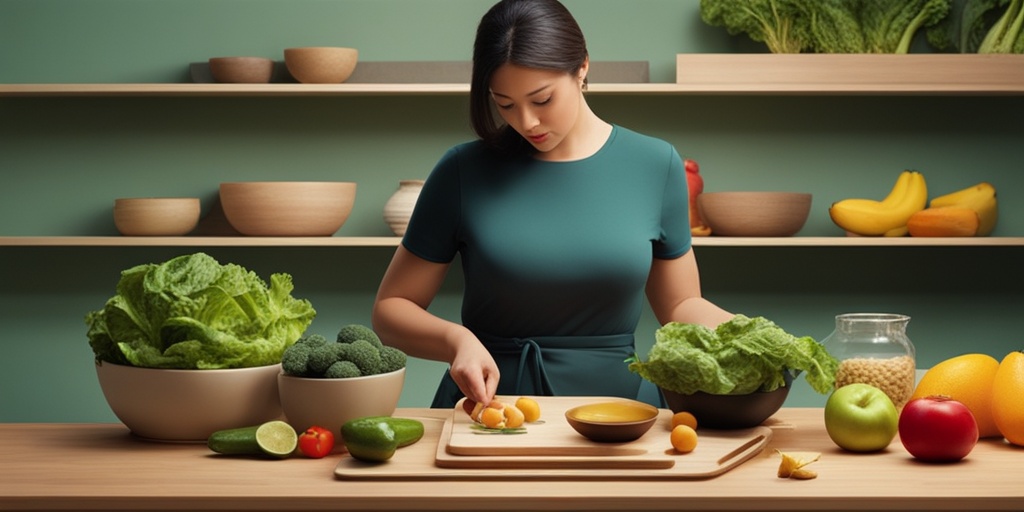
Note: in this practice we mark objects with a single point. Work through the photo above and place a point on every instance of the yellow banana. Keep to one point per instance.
(981, 198)
(876, 218)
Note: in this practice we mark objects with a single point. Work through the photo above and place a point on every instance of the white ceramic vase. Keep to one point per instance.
(398, 208)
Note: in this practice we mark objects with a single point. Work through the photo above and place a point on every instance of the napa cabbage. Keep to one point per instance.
(191, 312)
(740, 356)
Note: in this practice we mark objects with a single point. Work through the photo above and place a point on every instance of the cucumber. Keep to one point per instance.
(275, 439)
(375, 438)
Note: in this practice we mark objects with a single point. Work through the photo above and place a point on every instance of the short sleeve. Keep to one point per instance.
(433, 229)
(675, 239)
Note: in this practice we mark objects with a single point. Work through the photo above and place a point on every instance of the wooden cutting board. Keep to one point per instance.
(716, 453)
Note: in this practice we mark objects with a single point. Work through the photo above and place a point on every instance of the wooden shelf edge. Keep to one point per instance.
(764, 88)
(197, 241)
(387, 241)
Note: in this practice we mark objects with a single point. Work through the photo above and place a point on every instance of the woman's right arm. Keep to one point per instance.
(401, 319)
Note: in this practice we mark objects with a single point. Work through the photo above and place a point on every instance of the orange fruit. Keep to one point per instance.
(530, 408)
(492, 418)
(1008, 398)
(968, 379)
(513, 417)
(683, 438)
(684, 418)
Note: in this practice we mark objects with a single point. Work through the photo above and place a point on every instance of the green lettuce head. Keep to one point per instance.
(740, 356)
(191, 312)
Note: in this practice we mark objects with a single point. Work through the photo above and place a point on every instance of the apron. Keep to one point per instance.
(560, 366)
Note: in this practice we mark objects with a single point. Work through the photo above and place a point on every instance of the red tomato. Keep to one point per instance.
(316, 442)
(938, 429)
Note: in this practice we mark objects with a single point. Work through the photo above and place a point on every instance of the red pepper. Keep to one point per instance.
(316, 442)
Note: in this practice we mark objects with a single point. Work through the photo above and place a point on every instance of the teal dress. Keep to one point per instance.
(555, 257)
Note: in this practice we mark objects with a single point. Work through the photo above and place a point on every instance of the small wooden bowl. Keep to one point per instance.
(156, 216)
(618, 421)
(287, 208)
(754, 213)
(321, 64)
(241, 70)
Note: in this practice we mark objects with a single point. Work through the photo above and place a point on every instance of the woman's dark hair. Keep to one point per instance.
(539, 34)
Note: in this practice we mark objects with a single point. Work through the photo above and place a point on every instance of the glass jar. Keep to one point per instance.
(873, 348)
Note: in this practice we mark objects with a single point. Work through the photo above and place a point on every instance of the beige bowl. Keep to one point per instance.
(754, 213)
(156, 216)
(321, 64)
(189, 405)
(329, 403)
(241, 70)
(287, 208)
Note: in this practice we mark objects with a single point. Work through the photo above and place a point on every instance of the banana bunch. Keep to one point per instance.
(887, 217)
(972, 211)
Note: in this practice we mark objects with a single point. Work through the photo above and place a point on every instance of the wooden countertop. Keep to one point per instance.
(102, 467)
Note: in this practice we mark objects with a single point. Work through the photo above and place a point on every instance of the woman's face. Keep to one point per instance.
(541, 105)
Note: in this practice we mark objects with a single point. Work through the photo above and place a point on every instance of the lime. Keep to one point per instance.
(277, 439)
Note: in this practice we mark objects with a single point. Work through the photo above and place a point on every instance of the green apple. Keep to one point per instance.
(861, 418)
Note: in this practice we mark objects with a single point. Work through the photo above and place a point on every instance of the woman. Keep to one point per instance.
(562, 220)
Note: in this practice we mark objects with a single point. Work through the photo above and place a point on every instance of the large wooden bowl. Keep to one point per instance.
(189, 405)
(321, 64)
(287, 208)
(156, 216)
(757, 214)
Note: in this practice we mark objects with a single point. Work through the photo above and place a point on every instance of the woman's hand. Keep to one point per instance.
(473, 369)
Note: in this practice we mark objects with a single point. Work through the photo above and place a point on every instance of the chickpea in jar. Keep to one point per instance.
(894, 375)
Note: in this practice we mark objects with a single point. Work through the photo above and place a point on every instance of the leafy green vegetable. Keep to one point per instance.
(1006, 35)
(965, 27)
(191, 312)
(827, 26)
(740, 356)
(890, 25)
(779, 24)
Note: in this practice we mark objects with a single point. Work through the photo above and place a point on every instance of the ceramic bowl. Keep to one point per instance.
(729, 412)
(756, 214)
(156, 216)
(241, 70)
(616, 421)
(189, 405)
(321, 64)
(287, 208)
(329, 403)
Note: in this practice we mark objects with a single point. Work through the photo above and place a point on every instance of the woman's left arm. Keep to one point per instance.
(673, 289)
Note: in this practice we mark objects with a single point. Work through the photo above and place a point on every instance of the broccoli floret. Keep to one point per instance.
(342, 370)
(354, 332)
(364, 355)
(295, 358)
(323, 356)
(312, 340)
(392, 359)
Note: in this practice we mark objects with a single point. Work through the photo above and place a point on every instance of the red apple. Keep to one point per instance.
(938, 429)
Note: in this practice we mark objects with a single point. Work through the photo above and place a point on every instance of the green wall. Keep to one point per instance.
(64, 160)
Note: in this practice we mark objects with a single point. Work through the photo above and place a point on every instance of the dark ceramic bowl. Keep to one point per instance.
(618, 421)
(729, 412)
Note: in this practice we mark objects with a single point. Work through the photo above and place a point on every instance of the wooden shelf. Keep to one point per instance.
(665, 89)
(728, 74)
(386, 241)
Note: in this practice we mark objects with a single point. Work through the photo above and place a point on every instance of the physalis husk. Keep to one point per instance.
(792, 464)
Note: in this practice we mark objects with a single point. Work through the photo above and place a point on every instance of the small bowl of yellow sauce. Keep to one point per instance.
(616, 421)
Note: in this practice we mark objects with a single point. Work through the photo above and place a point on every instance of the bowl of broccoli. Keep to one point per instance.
(326, 383)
